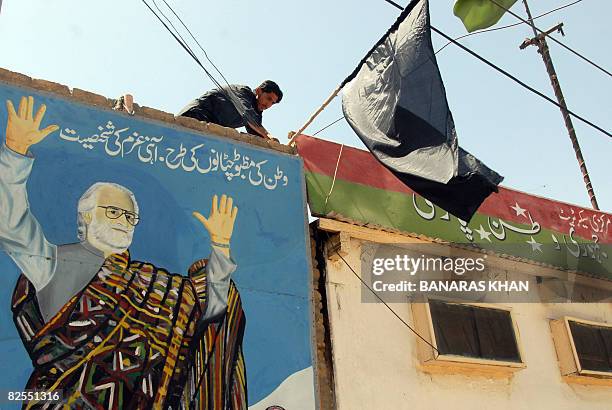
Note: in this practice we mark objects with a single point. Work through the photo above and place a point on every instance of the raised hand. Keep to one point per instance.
(22, 127)
(220, 222)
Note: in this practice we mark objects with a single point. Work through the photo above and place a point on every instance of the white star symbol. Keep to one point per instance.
(535, 245)
(483, 234)
(519, 211)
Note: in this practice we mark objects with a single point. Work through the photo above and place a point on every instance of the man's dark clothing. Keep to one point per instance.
(230, 107)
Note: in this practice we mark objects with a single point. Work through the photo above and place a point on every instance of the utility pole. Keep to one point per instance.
(540, 41)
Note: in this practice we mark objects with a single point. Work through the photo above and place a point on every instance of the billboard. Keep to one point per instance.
(509, 222)
(147, 265)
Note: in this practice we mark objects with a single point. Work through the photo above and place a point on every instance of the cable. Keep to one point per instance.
(385, 303)
(182, 40)
(328, 125)
(394, 4)
(235, 100)
(198, 43)
(557, 9)
(173, 27)
(185, 47)
(228, 92)
(500, 70)
(505, 27)
(553, 39)
(524, 85)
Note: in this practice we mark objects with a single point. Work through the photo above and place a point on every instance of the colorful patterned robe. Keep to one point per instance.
(134, 338)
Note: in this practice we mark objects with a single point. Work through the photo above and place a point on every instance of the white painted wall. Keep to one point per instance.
(375, 357)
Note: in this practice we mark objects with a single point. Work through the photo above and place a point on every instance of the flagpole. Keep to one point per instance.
(333, 95)
(293, 135)
(540, 41)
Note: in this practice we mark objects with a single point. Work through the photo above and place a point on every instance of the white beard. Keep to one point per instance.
(115, 241)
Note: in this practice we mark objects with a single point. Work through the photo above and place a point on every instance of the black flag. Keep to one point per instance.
(396, 103)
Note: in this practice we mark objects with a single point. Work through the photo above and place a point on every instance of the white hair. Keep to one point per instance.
(88, 201)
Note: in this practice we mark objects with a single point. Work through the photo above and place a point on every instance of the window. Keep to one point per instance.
(474, 331)
(584, 350)
(473, 338)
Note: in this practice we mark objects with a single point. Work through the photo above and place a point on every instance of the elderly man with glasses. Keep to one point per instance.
(107, 331)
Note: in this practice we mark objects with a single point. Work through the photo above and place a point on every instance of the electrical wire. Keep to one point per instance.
(182, 40)
(505, 73)
(558, 8)
(386, 304)
(183, 45)
(553, 39)
(198, 43)
(524, 85)
(328, 125)
(473, 34)
(228, 92)
(505, 27)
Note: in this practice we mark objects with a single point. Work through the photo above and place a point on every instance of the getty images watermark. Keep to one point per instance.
(397, 273)
(410, 266)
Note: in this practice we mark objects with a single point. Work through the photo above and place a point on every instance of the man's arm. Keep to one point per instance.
(259, 129)
(220, 266)
(218, 274)
(21, 235)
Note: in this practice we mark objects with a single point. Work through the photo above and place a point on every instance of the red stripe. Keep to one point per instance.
(359, 166)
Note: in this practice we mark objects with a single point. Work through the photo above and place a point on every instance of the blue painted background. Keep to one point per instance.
(268, 244)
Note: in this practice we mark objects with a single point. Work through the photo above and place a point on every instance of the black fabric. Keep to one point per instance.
(462, 194)
(474, 332)
(397, 105)
(593, 345)
(232, 107)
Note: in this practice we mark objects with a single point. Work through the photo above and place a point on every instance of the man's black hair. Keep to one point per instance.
(270, 86)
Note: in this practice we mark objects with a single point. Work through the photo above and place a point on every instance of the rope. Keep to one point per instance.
(334, 179)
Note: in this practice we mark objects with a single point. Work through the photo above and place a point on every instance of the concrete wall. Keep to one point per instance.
(376, 366)
(269, 244)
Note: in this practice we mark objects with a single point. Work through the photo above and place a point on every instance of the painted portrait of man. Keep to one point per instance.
(104, 329)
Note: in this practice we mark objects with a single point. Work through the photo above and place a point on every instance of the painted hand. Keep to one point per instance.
(22, 128)
(220, 222)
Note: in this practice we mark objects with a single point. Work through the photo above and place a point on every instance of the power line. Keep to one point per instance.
(198, 43)
(191, 52)
(468, 35)
(507, 74)
(524, 85)
(328, 125)
(228, 92)
(557, 9)
(394, 4)
(505, 27)
(553, 39)
(385, 303)
(182, 44)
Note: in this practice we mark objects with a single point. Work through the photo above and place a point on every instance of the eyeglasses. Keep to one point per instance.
(112, 212)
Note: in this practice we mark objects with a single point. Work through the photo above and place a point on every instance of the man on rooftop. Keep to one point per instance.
(236, 106)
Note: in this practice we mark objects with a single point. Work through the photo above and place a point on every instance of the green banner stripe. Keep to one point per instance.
(412, 214)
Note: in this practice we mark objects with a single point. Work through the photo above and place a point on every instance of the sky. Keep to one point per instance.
(114, 47)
